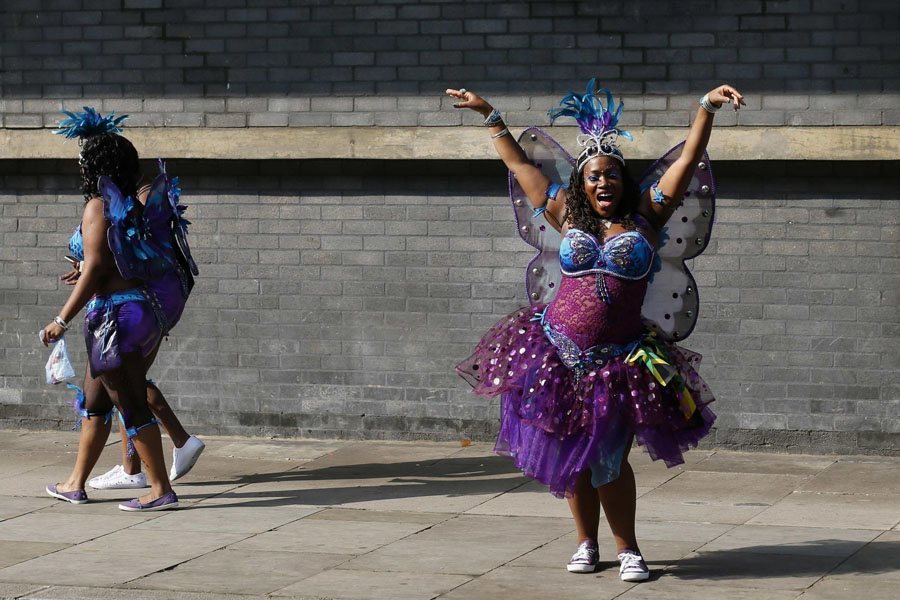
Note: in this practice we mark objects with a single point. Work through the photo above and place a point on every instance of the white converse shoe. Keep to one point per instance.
(183, 458)
(117, 479)
(632, 567)
(585, 558)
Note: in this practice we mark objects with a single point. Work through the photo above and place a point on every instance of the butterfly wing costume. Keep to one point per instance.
(591, 360)
(149, 246)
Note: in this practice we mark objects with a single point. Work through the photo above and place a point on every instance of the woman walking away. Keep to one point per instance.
(134, 277)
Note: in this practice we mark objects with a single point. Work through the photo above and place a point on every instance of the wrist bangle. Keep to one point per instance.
(707, 105)
(500, 133)
(493, 118)
(59, 321)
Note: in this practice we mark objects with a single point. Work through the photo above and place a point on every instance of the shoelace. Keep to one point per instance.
(632, 562)
(585, 552)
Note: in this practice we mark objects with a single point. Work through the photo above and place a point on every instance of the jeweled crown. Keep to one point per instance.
(599, 134)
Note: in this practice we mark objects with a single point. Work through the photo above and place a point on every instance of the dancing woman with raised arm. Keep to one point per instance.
(134, 277)
(591, 364)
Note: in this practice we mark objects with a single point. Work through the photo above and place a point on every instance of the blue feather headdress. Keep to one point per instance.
(89, 123)
(599, 133)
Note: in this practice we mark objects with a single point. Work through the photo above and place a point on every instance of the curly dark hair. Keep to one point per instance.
(112, 155)
(580, 212)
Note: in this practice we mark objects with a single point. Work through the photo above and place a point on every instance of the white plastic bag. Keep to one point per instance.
(59, 367)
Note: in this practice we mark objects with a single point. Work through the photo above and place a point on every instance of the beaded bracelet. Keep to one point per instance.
(493, 118)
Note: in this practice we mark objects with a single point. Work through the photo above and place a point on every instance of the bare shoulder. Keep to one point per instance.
(93, 211)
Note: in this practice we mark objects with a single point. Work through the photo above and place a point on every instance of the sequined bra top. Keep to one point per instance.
(625, 255)
(76, 244)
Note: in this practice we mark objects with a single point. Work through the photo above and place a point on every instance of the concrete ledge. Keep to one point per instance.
(458, 143)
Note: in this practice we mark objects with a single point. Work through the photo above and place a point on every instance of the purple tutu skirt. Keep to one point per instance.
(556, 421)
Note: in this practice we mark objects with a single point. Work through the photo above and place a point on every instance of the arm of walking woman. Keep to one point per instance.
(95, 264)
(537, 186)
(665, 196)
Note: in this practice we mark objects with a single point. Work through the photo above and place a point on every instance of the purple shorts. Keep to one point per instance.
(131, 320)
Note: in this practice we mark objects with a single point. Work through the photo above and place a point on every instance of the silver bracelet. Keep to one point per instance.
(493, 118)
(707, 105)
(500, 133)
(59, 321)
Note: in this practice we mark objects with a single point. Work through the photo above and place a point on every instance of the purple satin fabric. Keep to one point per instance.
(134, 325)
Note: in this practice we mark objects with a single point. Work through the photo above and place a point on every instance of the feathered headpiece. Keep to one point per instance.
(599, 133)
(89, 123)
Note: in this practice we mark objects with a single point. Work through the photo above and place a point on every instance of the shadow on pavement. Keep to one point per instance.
(446, 477)
(814, 558)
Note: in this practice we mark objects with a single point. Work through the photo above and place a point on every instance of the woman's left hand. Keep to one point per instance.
(52, 333)
(726, 93)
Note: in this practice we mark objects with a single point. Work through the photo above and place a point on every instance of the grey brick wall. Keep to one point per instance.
(274, 63)
(336, 297)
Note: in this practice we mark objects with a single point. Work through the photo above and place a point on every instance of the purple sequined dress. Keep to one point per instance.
(578, 376)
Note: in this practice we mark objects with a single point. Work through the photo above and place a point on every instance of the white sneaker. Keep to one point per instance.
(632, 567)
(117, 479)
(585, 558)
(183, 458)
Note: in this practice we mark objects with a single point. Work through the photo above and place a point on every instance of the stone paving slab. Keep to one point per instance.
(875, 477)
(531, 583)
(312, 519)
(716, 497)
(14, 552)
(246, 571)
(818, 509)
(812, 541)
(373, 585)
(843, 588)
(466, 545)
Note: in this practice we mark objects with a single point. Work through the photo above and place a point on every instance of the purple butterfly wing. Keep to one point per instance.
(157, 209)
(543, 274)
(671, 304)
(179, 227)
(141, 250)
(119, 211)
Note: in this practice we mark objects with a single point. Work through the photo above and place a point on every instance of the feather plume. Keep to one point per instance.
(598, 123)
(89, 123)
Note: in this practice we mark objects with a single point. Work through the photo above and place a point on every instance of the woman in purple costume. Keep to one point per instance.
(581, 377)
(186, 448)
(133, 281)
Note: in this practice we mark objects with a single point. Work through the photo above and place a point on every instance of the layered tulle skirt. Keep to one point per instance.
(564, 410)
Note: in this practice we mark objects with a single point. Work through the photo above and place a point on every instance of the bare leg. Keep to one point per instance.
(161, 409)
(619, 500)
(131, 464)
(127, 387)
(94, 433)
(163, 412)
(585, 507)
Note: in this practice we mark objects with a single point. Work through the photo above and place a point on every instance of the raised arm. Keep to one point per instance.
(533, 181)
(658, 207)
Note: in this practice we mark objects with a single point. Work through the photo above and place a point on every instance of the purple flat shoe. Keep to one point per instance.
(75, 497)
(164, 502)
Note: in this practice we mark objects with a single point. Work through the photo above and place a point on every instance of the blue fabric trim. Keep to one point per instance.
(552, 190)
(656, 195)
(115, 299)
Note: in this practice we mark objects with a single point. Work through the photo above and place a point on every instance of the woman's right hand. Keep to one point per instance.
(471, 100)
(71, 278)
